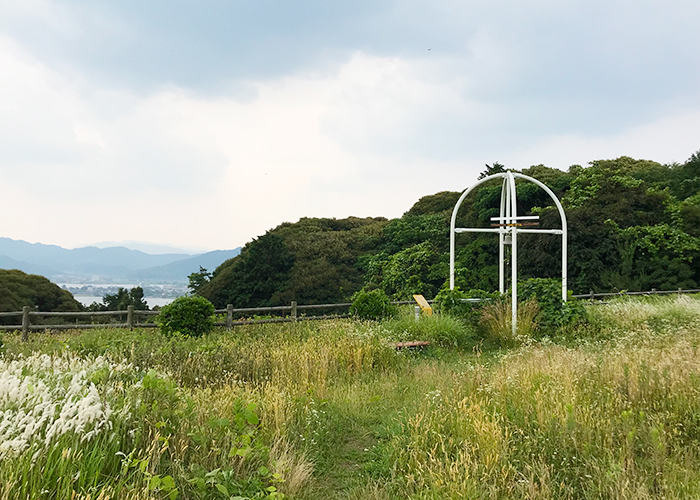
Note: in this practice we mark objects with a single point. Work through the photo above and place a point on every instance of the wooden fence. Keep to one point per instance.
(290, 313)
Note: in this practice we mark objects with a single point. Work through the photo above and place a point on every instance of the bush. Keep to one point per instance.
(191, 316)
(455, 303)
(554, 313)
(371, 305)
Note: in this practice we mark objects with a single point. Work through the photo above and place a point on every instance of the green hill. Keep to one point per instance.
(633, 225)
(18, 289)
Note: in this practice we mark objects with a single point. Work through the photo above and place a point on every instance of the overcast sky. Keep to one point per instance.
(205, 123)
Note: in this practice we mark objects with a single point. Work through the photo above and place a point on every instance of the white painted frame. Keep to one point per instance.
(509, 216)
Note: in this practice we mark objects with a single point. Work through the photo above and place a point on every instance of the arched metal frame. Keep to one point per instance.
(510, 226)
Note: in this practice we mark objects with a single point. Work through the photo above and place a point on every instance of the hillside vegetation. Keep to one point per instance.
(330, 410)
(633, 225)
(18, 289)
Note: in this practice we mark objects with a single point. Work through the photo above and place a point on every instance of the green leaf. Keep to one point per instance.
(213, 473)
(168, 482)
(251, 417)
(221, 488)
(154, 483)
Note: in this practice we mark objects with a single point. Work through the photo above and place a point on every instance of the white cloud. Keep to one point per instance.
(667, 139)
(83, 160)
(182, 168)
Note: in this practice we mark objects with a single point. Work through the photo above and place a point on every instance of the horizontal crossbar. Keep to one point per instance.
(520, 217)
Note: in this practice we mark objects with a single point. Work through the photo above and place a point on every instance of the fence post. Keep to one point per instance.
(592, 295)
(25, 323)
(229, 316)
(294, 310)
(680, 291)
(653, 291)
(130, 317)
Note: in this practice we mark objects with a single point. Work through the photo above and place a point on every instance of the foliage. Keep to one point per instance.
(466, 305)
(437, 203)
(121, 300)
(313, 410)
(198, 279)
(120, 431)
(253, 277)
(18, 289)
(633, 225)
(550, 422)
(373, 304)
(190, 316)
(415, 270)
(495, 168)
(553, 312)
(497, 320)
(442, 330)
(311, 261)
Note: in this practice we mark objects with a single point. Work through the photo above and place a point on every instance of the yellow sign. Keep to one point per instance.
(424, 306)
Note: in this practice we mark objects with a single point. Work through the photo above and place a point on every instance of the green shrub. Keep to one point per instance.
(457, 303)
(554, 313)
(191, 316)
(371, 305)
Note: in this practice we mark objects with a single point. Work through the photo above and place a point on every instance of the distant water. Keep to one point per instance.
(86, 300)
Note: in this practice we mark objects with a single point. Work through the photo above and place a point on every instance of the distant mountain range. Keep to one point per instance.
(112, 264)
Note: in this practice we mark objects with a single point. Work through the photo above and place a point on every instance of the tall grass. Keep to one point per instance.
(497, 320)
(553, 422)
(331, 410)
(441, 329)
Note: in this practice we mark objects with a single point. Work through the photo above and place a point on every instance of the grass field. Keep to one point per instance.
(609, 409)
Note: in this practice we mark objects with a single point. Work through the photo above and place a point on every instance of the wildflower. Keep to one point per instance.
(43, 397)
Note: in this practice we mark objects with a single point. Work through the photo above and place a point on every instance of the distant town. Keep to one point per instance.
(166, 291)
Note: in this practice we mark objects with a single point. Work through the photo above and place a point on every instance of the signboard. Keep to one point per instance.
(424, 306)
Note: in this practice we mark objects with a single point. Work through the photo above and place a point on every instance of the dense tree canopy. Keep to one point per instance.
(18, 289)
(311, 261)
(633, 225)
(121, 300)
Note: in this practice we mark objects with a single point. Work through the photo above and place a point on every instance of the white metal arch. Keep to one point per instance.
(510, 226)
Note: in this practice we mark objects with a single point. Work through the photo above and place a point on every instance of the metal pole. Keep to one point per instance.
(564, 234)
(452, 248)
(453, 221)
(514, 256)
(501, 245)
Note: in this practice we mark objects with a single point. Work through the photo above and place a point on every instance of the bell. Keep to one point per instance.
(508, 240)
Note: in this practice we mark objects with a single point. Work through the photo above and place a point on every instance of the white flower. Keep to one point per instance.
(43, 397)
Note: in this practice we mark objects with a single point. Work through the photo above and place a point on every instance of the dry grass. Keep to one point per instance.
(343, 415)
(497, 320)
(617, 421)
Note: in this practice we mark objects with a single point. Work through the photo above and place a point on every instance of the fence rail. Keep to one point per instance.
(592, 296)
(26, 314)
(290, 313)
